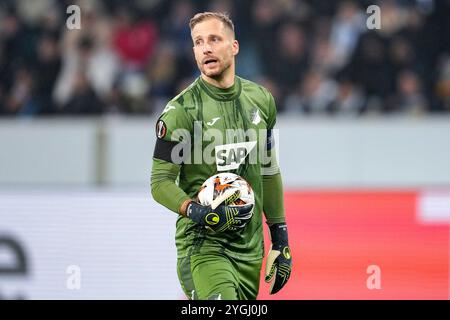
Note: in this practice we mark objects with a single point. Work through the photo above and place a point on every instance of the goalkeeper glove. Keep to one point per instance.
(221, 216)
(279, 259)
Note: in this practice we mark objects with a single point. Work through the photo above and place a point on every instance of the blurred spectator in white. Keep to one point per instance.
(346, 28)
(88, 51)
(133, 89)
(393, 17)
(31, 12)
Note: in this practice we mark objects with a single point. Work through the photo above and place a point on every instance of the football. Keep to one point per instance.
(220, 186)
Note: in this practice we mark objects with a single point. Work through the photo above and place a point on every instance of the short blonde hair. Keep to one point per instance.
(200, 17)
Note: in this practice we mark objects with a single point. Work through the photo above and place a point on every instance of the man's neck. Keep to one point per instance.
(224, 82)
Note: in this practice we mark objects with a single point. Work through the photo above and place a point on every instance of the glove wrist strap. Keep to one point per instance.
(279, 234)
(196, 212)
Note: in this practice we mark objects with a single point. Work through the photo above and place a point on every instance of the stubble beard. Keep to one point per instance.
(217, 75)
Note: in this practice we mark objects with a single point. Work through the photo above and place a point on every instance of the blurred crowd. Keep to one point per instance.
(316, 56)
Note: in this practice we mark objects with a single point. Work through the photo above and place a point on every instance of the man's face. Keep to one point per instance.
(214, 47)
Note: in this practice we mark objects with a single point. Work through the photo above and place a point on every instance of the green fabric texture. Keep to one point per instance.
(216, 276)
(273, 199)
(163, 185)
(221, 94)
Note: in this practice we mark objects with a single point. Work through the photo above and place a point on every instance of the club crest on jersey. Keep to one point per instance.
(254, 116)
(231, 156)
(161, 129)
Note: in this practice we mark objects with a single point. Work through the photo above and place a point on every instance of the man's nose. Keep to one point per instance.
(206, 48)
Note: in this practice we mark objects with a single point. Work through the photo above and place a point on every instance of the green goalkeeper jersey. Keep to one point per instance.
(206, 130)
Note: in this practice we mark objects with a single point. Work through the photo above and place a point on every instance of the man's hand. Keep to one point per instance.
(279, 259)
(223, 217)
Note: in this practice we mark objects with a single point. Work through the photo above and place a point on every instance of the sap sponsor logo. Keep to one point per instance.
(231, 156)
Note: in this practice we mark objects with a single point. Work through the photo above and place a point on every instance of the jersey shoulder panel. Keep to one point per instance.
(262, 98)
(187, 97)
(178, 114)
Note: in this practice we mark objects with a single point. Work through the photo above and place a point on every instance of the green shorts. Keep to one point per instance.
(219, 277)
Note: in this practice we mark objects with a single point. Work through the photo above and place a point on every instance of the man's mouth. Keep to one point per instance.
(209, 61)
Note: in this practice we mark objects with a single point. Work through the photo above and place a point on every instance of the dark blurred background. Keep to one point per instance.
(317, 57)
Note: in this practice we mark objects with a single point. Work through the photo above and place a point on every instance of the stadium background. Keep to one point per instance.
(364, 145)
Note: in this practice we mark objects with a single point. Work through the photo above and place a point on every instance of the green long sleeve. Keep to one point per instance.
(273, 201)
(164, 188)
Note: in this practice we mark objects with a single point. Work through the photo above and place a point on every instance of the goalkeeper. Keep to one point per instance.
(224, 263)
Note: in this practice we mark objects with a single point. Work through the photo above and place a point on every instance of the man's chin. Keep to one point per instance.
(212, 73)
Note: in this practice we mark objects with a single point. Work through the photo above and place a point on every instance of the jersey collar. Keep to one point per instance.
(220, 94)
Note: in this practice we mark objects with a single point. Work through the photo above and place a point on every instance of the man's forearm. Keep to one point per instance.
(273, 200)
(184, 206)
(171, 196)
(164, 189)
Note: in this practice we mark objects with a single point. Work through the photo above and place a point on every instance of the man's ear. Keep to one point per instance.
(235, 47)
